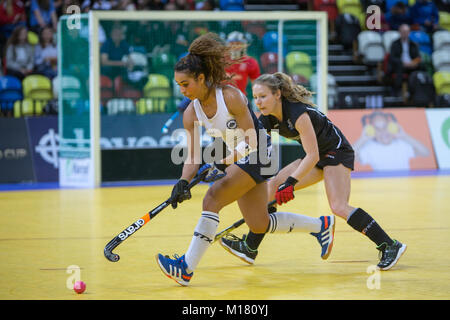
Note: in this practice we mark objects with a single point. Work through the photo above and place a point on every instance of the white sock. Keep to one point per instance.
(203, 237)
(284, 222)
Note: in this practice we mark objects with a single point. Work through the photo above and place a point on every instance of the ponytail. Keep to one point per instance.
(289, 89)
(207, 55)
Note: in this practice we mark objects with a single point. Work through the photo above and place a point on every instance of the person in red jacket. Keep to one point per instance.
(248, 68)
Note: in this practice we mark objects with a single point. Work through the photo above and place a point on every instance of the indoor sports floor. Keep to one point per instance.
(46, 234)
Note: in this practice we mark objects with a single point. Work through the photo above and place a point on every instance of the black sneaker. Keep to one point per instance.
(239, 248)
(390, 254)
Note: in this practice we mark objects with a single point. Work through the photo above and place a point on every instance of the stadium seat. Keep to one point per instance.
(269, 62)
(328, 6)
(442, 101)
(270, 42)
(37, 87)
(441, 60)
(231, 5)
(10, 92)
(350, 6)
(151, 105)
(158, 90)
(444, 20)
(389, 37)
(158, 85)
(299, 63)
(370, 46)
(257, 28)
(71, 88)
(163, 64)
(332, 89)
(140, 66)
(28, 107)
(106, 89)
(441, 82)
(423, 40)
(118, 106)
(441, 40)
(124, 90)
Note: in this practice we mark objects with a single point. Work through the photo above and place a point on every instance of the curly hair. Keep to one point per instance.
(289, 89)
(207, 55)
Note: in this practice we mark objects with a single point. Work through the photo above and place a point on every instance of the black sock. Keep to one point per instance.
(362, 222)
(253, 240)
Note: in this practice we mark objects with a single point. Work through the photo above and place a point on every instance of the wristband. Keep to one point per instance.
(291, 180)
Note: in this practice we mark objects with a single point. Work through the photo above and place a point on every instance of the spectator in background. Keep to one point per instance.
(156, 5)
(46, 54)
(425, 15)
(208, 5)
(42, 14)
(127, 5)
(65, 4)
(404, 57)
(398, 15)
(12, 15)
(96, 5)
(19, 54)
(142, 5)
(113, 51)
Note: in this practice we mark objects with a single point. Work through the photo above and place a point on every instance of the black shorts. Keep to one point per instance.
(259, 168)
(344, 155)
(256, 171)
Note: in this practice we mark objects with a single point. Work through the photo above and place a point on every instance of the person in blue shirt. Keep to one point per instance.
(398, 15)
(425, 14)
(113, 52)
(42, 14)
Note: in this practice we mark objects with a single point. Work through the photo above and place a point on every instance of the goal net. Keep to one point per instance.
(116, 73)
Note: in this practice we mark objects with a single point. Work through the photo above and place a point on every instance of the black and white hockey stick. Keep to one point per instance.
(125, 234)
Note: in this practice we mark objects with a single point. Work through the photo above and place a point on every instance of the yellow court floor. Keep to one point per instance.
(48, 238)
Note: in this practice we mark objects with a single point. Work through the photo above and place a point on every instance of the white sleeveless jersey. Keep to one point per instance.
(222, 124)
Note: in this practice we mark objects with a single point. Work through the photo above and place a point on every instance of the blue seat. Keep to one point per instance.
(423, 40)
(270, 42)
(10, 92)
(231, 5)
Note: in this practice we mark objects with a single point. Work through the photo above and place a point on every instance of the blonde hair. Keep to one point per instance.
(289, 89)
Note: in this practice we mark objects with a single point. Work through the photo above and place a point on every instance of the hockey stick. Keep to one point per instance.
(125, 234)
(236, 225)
(168, 123)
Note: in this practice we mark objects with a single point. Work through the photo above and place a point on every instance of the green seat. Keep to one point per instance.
(163, 64)
(299, 63)
(441, 81)
(37, 87)
(157, 93)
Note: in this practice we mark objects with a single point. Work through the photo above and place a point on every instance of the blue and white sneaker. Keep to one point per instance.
(326, 235)
(174, 268)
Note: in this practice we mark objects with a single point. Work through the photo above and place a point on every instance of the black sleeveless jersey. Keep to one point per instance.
(329, 137)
